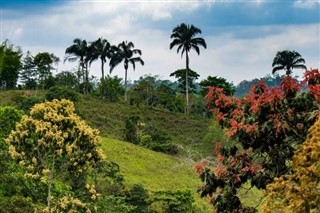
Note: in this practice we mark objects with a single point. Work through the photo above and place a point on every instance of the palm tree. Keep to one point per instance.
(183, 36)
(287, 60)
(125, 52)
(101, 48)
(80, 51)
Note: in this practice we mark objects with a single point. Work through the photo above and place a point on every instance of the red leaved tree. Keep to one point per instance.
(268, 125)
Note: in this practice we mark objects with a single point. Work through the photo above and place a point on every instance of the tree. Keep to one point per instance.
(184, 37)
(54, 144)
(267, 126)
(28, 74)
(44, 64)
(125, 52)
(10, 65)
(220, 82)
(80, 51)
(66, 79)
(299, 191)
(190, 76)
(113, 87)
(287, 60)
(101, 49)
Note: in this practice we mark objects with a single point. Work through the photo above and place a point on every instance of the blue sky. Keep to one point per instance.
(242, 36)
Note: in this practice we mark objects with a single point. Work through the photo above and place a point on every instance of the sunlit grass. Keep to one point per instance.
(156, 171)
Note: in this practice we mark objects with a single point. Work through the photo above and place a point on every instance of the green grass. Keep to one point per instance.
(156, 171)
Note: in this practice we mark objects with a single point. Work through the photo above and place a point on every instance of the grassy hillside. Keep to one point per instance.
(109, 117)
(156, 171)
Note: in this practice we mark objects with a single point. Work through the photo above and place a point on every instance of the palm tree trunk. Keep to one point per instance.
(187, 86)
(87, 79)
(103, 89)
(83, 78)
(125, 86)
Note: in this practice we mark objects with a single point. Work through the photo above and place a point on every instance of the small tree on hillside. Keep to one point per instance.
(268, 125)
(54, 143)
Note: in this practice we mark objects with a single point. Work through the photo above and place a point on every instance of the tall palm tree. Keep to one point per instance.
(101, 48)
(183, 36)
(125, 52)
(287, 60)
(80, 51)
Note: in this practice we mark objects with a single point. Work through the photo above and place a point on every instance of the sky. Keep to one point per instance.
(242, 36)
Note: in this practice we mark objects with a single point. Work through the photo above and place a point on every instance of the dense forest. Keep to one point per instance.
(66, 137)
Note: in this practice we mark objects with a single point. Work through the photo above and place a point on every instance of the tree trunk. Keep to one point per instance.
(187, 83)
(125, 86)
(87, 79)
(103, 89)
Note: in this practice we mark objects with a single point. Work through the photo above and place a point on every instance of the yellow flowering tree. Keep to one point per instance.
(53, 143)
(299, 191)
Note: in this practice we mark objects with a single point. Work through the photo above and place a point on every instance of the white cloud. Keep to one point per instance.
(306, 4)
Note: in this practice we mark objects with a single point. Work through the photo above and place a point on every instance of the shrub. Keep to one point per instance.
(53, 142)
(57, 92)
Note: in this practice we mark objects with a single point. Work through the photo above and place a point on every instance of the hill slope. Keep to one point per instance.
(156, 171)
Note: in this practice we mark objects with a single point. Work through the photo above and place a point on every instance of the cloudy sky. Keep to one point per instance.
(242, 36)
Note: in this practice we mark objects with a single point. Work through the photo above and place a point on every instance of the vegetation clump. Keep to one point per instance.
(299, 191)
(268, 125)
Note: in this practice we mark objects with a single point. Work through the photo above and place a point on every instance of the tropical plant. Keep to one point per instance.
(44, 64)
(66, 79)
(183, 36)
(287, 60)
(10, 65)
(101, 48)
(80, 51)
(186, 78)
(125, 52)
(28, 73)
(267, 126)
(220, 82)
(56, 147)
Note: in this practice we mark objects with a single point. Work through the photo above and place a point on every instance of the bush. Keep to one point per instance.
(8, 118)
(16, 204)
(177, 201)
(60, 93)
(27, 102)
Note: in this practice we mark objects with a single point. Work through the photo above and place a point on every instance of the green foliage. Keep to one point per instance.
(28, 73)
(10, 64)
(112, 88)
(60, 93)
(138, 197)
(44, 64)
(220, 82)
(131, 129)
(113, 204)
(27, 102)
(16, 204)
(8, 118)
(148, 136)
(174, 201)
(53, 142)
(181, 76)
(67, 79)
(268, 125)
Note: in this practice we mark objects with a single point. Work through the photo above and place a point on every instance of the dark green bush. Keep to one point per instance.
(57, 92)
(16, 204)
(27, 102)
